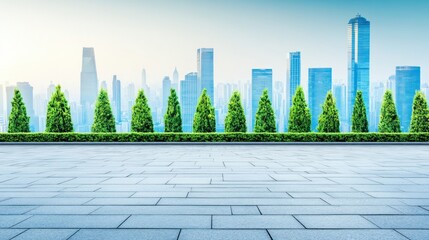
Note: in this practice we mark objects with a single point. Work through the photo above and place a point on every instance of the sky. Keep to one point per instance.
(41, 41)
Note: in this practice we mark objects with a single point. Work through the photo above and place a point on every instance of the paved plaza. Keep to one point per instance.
(208, 192)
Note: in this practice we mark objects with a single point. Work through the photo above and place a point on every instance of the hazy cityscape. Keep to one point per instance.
(404, 82)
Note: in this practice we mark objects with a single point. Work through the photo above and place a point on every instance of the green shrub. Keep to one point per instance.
(329, 120)
(420, 116)
(359, 118)
(173, 118)
(389, 119)
(235, 120)
(58, 117)
(204, 118)
(18, 119)
(104, 121)
(214, 137)
(299, 117)
(265, 120)
(141, 119)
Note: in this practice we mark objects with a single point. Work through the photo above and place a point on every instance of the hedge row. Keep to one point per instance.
(214, 137)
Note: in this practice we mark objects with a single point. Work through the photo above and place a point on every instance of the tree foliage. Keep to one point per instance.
(265, 120)
(58, 117)
(299, 117)
(141, 119)
(235, 120)
(104, 121)
(173, 117)
(329, 120)
(420, 115)
(204, 118)
(18, 119)
(359, 118)
(389, 119)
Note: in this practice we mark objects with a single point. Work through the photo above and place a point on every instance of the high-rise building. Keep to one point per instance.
(407, 83)
(116, 98)
(358, 62)
(188, 100)
(144, 85)
(391, 85)
(88, 89)
(319, 84)
(278, 105)
(50, 91)
(103, 85)
(293, 80)
(261, 79)
(166, 86)
(88, 78)
(340, 93)
(376, 101)
(205, 68)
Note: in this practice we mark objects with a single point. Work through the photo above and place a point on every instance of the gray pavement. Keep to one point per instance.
(214, 192)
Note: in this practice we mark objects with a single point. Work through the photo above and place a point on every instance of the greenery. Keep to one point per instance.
(173, 118)
(359, 118)
(420, 115)
(18, 119)
(389, 120)
(58, 117)
(104, 121)
(299, 117)
(141, 119)
(214, 137)
(204, 118)
(265, 120)
(235, 120)
(329, 120)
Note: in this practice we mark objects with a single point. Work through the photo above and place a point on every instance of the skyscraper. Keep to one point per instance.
(319, 84)
(340, 93)
(88, 89)
(205, 68)
(50, 91)
(88, 78)
(293, 80)
(261, 79)
(116, 98)
(188, 100)
(358, 62)
(144, 85)
(407, 83)
(166, 86)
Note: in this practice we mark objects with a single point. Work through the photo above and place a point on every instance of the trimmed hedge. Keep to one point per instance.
(214, 137)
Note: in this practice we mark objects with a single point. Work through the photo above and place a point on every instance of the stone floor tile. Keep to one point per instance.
(72, 221)
(167, 221)
(334, 221)
(126, 234)
(415, 234)
(255, 222)
(197, 234)
(364, 234)
(404, 222)
(46, 234)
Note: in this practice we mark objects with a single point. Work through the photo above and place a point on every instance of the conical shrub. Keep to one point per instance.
(104, 121)
(389, 120)
(329, 120)
(359, 118)
(265, 120)
(58, 117)
(299, 117)
(420, 115)
(235, 120)
(173, 118)
(141, 118)
(204, 118)
(18, 119)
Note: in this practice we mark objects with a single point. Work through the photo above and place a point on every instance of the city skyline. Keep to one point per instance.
(260, 43)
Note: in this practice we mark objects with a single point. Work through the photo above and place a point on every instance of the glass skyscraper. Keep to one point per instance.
(88, 89)
(358, 62)
(261, 79)
(116, 98)
(293, 80)
(407, 83)
(205, 71)
(188, 100)
(319, 84)
(166, 86)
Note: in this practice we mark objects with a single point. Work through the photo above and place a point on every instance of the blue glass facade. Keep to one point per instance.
(294, 74)
(188, 100)
(116, 98)
(358, 62)
(261, 79)
(319, 84)
(407, 83)
(205, 71)
(166, 87)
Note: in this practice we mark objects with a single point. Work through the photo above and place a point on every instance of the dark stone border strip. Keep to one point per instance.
(215, 143)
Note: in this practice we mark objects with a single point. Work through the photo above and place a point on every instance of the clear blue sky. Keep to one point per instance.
(41, 41)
